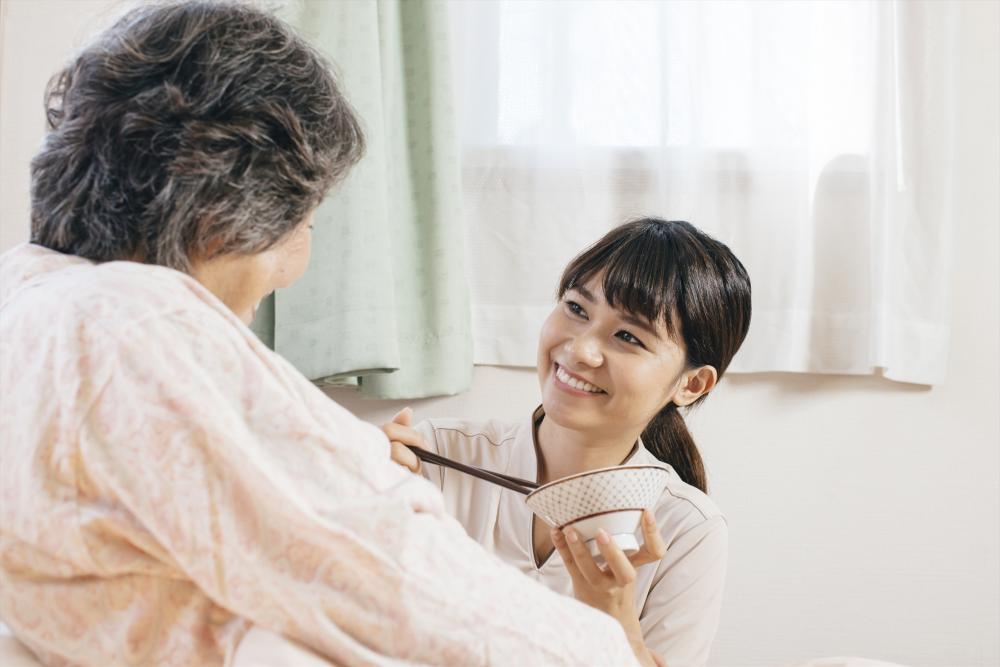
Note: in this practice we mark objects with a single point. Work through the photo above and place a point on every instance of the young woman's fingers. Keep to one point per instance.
(562, 548)
(653, 546)
(618, 563)
(404, 456)
(404, 416)
(584, 561)
(404, 434)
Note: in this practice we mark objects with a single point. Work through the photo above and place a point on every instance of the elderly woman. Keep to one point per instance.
(169, 482)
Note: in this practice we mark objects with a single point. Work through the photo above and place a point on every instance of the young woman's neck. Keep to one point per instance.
(563, 451)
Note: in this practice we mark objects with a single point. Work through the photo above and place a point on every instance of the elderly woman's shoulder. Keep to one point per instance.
(50, 284)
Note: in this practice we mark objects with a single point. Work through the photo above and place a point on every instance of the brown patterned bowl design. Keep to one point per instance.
(609, 498)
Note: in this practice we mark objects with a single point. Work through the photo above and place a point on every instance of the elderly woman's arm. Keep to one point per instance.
(286, 510)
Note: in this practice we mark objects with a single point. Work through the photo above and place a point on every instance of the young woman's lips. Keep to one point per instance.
(568, 388)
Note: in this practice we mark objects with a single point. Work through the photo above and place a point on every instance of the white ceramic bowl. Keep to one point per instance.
(608, 498)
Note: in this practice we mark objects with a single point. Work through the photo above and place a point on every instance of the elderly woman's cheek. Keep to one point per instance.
(293, 258)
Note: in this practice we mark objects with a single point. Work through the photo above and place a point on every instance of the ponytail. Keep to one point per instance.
(667, 437)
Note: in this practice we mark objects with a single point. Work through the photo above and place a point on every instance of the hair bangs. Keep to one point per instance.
(639, 273)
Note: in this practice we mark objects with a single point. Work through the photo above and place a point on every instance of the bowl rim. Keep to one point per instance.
(625, 466)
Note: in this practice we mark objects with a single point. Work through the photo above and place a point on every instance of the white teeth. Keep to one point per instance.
(576, 384)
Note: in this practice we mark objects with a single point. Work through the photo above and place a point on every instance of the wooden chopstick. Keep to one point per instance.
(506, 481)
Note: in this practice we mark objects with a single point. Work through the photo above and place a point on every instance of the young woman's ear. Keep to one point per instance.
(695, 383)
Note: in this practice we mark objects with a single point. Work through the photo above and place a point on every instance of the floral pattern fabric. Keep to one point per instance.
(167, 482)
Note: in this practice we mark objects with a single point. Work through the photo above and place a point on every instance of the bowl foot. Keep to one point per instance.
(625, 541)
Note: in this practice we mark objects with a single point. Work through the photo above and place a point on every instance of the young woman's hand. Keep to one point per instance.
(612, 588)
(401, 434)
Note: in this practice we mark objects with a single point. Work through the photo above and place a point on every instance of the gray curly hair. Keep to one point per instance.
(188, 130)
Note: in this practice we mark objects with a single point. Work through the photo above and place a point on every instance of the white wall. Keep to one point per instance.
(864, 515)
(38, 37)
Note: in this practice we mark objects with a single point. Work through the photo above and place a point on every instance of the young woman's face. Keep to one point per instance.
(602, 370)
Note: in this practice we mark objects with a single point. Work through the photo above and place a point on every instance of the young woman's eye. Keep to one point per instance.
(576, 309)
(629, 338)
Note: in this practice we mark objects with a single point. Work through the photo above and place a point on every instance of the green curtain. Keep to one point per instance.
(385, 301)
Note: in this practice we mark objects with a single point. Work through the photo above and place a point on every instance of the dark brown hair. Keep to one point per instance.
(188, 129)
(672, 272)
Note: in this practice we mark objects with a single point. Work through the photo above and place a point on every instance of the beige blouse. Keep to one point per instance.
(678, 599)
(166, 481)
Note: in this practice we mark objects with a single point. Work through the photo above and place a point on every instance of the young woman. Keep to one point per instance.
(647, 322)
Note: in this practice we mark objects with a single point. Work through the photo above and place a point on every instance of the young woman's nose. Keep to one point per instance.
(586, 350)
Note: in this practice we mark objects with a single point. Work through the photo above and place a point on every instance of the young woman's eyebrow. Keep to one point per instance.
(628, 319)
(584, 292)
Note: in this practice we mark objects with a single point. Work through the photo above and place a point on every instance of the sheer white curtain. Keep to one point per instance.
(811, 137)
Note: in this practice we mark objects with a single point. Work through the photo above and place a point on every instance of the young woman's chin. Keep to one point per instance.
(570, 411)
(566, 418)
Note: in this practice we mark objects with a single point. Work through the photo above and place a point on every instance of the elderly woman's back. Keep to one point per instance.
(167, 481)
(130, 483)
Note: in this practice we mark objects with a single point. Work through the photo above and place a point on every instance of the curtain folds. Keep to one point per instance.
(813, 138)
(385, 301)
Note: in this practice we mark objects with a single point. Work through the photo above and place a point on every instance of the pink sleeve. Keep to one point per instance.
(285, 509)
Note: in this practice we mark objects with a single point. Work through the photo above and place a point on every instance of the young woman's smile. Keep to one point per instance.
(575, 384)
